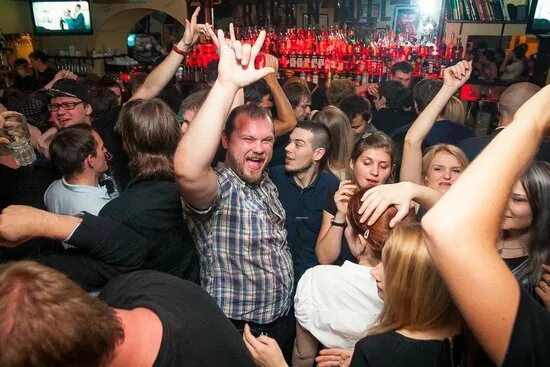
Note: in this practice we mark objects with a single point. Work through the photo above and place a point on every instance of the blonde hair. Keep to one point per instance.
(454, 111)
(341, 137)
(447, 148)
(416, 297)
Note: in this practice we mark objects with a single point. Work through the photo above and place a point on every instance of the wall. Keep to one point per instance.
(15, 17)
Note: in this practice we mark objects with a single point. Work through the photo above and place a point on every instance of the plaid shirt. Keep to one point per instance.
(246, 265)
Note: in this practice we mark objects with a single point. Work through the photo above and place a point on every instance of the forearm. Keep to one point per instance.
(329, 244)
(286, 119)
(55, 226)
(238, 100)
(411, 163)
(425, 196)
(305, 348)
(193, 160)
(161, 75)
(504, 63)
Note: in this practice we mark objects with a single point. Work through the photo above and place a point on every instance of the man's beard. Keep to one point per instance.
(239, 167)
(301, 169)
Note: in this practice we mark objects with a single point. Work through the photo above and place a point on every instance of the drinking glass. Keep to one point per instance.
(16, 132)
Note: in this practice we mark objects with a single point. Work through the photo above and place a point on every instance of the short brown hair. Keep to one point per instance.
(47, 320)
(295, 92)
(340, 89)
(194, 101)
(70, 147)
(150, 135)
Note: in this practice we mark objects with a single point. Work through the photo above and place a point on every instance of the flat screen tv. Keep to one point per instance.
(539, 17)
(61, 17)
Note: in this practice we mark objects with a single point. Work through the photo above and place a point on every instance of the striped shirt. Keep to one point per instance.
(246, 265)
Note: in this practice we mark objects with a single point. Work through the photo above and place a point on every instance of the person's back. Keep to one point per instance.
(390, 104)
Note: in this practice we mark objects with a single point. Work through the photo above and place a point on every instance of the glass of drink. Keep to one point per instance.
(15, 134)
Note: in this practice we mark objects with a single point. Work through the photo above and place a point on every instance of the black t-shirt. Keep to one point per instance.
(530, 341)
(46, 76)
(345, 253)
(392, 349)
(195, 332)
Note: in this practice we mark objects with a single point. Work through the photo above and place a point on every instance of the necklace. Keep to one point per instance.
(517, 251)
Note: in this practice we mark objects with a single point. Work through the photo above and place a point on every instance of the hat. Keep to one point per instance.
(70, 88)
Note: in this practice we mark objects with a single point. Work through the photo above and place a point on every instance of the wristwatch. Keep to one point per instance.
(337, 224)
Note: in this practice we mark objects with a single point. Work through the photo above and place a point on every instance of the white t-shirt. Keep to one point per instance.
(513, 71)
(337, 304)
(64, 198)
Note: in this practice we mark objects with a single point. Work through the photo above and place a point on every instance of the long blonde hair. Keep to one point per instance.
(416, 297)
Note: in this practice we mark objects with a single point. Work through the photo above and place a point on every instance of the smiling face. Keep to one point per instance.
(372, 168)
(249, 147)
(518, 216)
(63, 117)
(443, 171)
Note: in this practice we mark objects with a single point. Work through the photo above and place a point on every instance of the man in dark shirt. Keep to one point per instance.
(302, 188)
(144, 318)
(390, 103)
(39, 62)
(510, 101)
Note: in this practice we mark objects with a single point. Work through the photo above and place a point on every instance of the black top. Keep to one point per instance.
(345, 252)
(530, 341)
(46, 76)
(279, 153)
(152, 208)
(392, 349)
(195, 332)
(304, 213)
(387, 120)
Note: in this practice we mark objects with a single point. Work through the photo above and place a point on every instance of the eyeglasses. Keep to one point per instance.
(66, 106)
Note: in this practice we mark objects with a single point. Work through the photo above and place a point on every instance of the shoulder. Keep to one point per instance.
(277, 174)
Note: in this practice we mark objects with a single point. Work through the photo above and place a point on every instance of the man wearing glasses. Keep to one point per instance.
(70, 104)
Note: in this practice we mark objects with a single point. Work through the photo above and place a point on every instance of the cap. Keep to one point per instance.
(70, 88)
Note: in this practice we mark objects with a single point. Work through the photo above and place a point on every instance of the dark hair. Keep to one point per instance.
(519, 52)
(536, 183)
(252, 110)
(254, 92)
(321, 134)
(109, 82)
(375, 140)
(70, 147)
(102, 100)
(425, 91)
(340, 89)
(356, 105)
(47, 320)
(395, 94)
(150, 135)
(20, 61)
(13, 99)
(89, 79)
(402, 66)
(194, 101)
(136, 81)
(172, 96)
(39, 55)
(295, 92)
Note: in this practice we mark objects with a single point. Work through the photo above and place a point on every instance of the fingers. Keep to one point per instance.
(258, 44)
(212, 35)
(236, 45)
(344, 182)
(380, 207)
(246, 50)
(195, 15)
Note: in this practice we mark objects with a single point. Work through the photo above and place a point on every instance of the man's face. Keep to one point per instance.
(303, 109)
(404, 78)
(100, 161)
(249, 147)
(34, 62)
(118, 93)
(299, 152)
(64, 115)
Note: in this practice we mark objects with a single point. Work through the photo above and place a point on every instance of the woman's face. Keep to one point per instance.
(518, 216)
(379, 276)
(372, 168)
(442, 171)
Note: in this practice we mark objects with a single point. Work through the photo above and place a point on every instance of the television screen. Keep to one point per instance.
(540, 18)
(61, 17)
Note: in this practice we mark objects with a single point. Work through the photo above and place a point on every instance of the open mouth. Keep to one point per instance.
(255, 163)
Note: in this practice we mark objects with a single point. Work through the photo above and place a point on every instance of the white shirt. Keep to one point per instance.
(64, 198)
(337, 304)
(513, 71)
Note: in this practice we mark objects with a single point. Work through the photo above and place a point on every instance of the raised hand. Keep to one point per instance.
(456, 76)
(192, 30)
(236, 68)
(343, 195)
(272, 62)
(377, 199)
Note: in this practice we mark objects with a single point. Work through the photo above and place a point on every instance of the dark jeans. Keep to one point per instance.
(283, 330)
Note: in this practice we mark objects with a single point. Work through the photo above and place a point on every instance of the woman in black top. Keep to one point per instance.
(419, 322)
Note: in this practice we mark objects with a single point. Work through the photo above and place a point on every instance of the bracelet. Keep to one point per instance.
(178, 51)
(338, 224)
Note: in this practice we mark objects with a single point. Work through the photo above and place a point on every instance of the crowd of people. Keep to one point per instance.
(272, 222)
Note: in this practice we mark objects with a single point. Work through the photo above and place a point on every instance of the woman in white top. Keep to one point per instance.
(335, 305)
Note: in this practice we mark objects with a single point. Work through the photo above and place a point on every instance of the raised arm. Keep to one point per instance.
(194, 175)
(463, 228)
(286, 119)
(163, 73)
(411, 164)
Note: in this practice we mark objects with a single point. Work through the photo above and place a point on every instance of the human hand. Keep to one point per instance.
(19, 223)
(343, 195)
(192, 31)
(372, 89)
(7, 124)
(377, 199)
(236, 68)
(265, 350)
(272, 62)
(543, 289)
(456, 76)
(44, 140)
(333, 357)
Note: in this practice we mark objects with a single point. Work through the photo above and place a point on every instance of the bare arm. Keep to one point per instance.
(504, 64)
(196, 179)
(163, 73)
(286, 119)
(411, 165)
(462, 229)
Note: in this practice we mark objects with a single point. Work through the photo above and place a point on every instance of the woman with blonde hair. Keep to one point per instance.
(419, 322)
(443, 163)
(341, 135)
